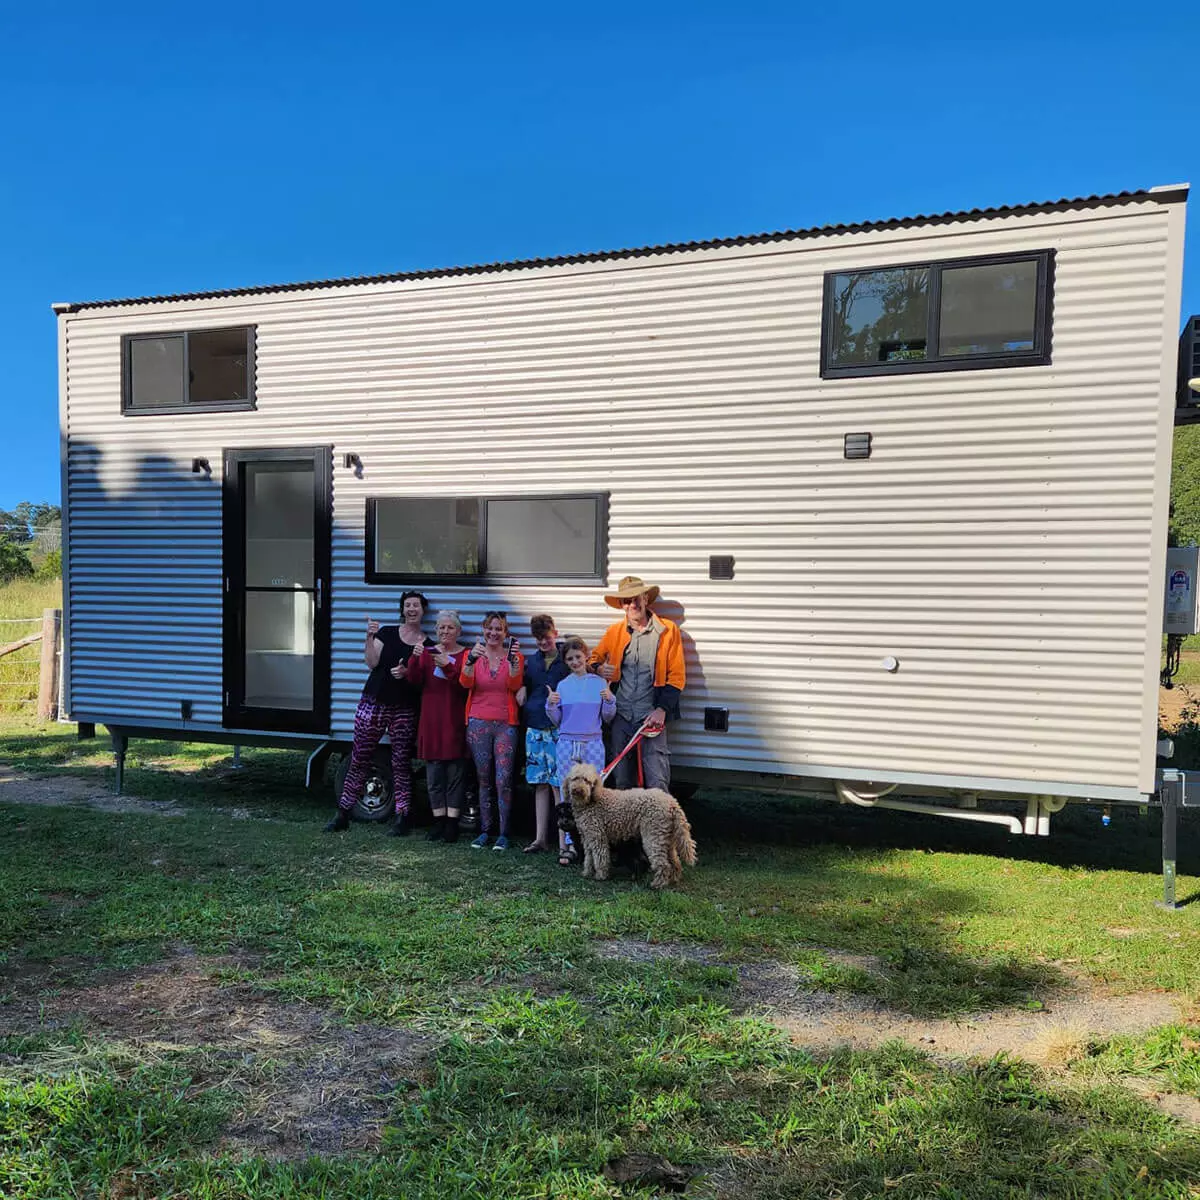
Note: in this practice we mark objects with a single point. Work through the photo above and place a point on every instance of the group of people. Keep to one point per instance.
(443, 702)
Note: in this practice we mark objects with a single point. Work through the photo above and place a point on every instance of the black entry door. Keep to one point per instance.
(276, 534)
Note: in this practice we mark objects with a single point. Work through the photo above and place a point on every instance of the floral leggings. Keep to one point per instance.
(371, 721)
(493, 746)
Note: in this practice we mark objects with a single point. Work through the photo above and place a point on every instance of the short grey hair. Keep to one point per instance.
(449, 614)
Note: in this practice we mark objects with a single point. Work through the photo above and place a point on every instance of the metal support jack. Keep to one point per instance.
(120, 744)
(1170, 795)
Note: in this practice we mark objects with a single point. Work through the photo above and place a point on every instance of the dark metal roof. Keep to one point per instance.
(1162, 194)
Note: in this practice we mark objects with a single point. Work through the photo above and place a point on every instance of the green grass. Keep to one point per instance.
(21, 606)
(28, 597)
(549, 1058)
(1189, 668)
(1169, 1057)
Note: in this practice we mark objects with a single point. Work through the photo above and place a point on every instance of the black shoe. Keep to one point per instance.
(401, 826)
(450, 833)
(340, 823)
(437, 831)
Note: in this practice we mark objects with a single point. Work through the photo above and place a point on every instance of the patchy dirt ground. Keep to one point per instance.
(823, 1020)
(1171, 703)
(309, 1084)
(70, 791)
(67, 790)
(305, 1083)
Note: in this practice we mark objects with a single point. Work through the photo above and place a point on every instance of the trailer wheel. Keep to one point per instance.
(376, 802)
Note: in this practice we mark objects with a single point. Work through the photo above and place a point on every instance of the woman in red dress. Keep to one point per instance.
(442, 733)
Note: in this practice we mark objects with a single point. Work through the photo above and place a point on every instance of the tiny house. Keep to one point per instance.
(903, 484)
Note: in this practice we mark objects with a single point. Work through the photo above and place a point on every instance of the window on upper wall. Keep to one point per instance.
(188, 371)
(487, 539)
(957, 315)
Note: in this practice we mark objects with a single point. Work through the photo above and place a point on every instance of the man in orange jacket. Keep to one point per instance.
(641, 656)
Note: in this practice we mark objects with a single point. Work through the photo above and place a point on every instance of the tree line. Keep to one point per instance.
(30, 531)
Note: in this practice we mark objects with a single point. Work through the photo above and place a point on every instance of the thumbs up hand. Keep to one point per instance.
(372, 627)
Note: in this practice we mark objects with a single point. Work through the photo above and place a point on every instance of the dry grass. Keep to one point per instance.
(21, 605)
(1060, 1045)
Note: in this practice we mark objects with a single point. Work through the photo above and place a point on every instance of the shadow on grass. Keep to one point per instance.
(652, 1065)
(779, 877)
(197, 773)
(1132, 841)
(325, 913)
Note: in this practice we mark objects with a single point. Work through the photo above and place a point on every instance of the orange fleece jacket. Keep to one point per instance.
(669, 675)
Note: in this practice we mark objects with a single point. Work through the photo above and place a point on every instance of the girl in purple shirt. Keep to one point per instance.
(579, 708)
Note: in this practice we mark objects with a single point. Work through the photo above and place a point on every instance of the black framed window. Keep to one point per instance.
(488, 539)
(954, 315)
(187, 371)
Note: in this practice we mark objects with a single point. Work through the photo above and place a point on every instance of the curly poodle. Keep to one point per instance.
(606, 816)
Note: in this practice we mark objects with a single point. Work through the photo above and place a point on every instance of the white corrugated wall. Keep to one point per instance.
(998, 542)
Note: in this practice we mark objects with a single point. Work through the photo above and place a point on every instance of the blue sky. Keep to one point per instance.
(159, 148)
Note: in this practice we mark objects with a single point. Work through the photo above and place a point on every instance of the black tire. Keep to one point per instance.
(376, 802)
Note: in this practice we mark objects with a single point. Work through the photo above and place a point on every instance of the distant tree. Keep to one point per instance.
(51, 566)
(1184, 529)
(14, 562)
(22, 522)
(13, 528)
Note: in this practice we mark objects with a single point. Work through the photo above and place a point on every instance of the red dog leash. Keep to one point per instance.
(643, 731)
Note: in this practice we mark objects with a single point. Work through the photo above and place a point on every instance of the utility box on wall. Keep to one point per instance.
(1179, 598)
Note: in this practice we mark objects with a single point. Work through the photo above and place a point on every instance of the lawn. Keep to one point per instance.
(230, 1003)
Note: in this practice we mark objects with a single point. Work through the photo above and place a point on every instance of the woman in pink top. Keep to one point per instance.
(492, 675)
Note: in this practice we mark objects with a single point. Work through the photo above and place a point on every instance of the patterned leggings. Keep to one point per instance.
(493, 746)
(371, 721)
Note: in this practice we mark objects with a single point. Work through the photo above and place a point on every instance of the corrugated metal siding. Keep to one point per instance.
(997, 542)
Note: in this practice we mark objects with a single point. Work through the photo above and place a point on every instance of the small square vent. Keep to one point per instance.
(716, 720)
(857, 445)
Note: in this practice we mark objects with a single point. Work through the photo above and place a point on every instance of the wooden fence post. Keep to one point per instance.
(47, 704)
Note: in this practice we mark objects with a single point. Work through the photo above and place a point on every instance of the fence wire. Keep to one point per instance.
(20, 670)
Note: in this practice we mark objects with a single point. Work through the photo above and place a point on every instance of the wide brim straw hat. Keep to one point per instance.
(629, 587)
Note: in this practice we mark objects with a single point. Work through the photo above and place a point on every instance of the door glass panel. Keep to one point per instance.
(279, 525)
(279, 650)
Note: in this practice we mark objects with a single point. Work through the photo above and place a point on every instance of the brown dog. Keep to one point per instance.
(606, 816)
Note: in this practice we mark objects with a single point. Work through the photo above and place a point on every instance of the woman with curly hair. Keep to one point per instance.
(388, 706)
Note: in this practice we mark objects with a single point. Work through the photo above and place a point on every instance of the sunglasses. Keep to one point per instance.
(628, 600)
